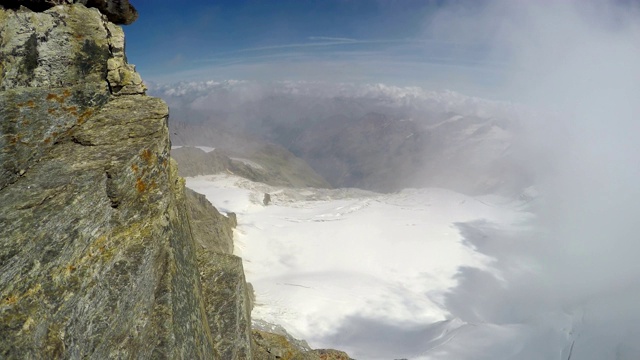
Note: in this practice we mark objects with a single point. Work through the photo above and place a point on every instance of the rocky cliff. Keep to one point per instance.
(97, 253)
(103, 253)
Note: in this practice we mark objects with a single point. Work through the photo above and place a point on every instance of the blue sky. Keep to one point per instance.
(330, 40)
(491, 48)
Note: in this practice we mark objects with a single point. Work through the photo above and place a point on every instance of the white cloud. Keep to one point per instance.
(576, 60)
(329, 38)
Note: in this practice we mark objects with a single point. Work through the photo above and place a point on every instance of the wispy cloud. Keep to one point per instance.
(580, 268)
(328, 42)
(427, 63)
(329, 38)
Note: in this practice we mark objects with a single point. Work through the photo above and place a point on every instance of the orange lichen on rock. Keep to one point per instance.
(55, 97)
(84, 116)
(71, 109)
(140, 185)
(11, 299)
(146, 155)
(70, 268)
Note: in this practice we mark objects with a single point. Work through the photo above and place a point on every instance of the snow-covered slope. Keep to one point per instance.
(324, 262)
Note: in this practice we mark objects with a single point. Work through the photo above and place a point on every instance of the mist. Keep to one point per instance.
(575, 277)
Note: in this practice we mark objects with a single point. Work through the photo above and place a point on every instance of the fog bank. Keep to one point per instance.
(574, 279)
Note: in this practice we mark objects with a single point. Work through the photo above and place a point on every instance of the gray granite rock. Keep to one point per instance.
(227, 296)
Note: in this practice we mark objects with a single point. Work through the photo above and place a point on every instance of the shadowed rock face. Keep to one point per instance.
(119, 12)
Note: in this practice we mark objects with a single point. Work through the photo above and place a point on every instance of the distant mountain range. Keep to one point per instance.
(374, 137)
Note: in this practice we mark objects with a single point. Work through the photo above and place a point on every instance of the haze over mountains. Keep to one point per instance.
(386, 220)
(562, 285)
(530, 299)
(372, 137)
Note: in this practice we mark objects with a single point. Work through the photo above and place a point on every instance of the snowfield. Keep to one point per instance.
(325, 263)
(206, 149)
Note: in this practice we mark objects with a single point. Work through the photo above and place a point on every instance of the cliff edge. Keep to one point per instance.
(97, 257)
(103, 253)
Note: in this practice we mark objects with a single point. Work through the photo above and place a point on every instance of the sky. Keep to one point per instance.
(355, 41)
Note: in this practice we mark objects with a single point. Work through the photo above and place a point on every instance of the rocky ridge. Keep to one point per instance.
(103, 254)
(119, 12)
(377, 138)
(267, 163)
(97, 257)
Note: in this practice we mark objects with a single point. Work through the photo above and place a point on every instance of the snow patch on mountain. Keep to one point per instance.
(318, 257)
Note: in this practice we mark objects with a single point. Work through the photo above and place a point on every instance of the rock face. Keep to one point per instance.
(103, 254)
(62, 47)
(272, 342)
(119, 12)
(97, 253)
(227, 297)
(210, 229)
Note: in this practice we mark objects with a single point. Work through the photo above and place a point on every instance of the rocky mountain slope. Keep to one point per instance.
(381, 152)
(102, 253)
(267, 163)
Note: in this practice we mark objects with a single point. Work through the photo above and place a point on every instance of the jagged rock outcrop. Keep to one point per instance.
(119, 12)
(210, 229)
(62, 47)
(97, 257)
(227, 296)
(273, 342)
(102, 252)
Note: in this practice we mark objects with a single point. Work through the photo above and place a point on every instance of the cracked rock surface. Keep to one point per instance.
(97, 253)
(103, 253)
